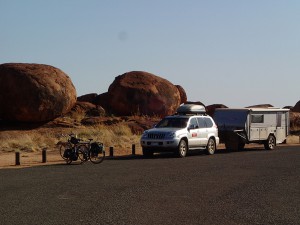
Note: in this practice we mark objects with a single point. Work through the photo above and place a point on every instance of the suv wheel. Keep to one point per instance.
(182, 148)
(211, 147)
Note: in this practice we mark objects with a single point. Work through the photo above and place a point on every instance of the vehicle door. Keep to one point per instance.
(193, 133)
(210, 128)
(203, 133)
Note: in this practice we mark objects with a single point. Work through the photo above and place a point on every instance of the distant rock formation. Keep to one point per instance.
(87, 109)
(260, 106)
(296, 108)
(34, 92)
(87, 98)
(210, 109)
(143, 93)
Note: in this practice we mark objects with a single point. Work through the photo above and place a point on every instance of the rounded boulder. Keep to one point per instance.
(143, 93)
(296, 108)
(34, 92)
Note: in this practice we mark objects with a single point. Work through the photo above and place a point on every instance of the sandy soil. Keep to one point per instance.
(29, 159)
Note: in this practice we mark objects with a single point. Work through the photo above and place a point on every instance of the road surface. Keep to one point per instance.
(253, 186)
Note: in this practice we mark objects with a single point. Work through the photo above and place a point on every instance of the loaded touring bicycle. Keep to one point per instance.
(237, 127)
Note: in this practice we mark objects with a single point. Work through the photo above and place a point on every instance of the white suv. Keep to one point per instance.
(189, 129)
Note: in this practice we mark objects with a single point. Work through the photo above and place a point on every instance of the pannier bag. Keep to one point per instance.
(70, 154)
(96, 148)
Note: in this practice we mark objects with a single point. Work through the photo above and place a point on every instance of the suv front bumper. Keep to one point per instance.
(160, 144)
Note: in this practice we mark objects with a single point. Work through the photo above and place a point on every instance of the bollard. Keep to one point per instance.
(133, 149)
(111, 151)
(44, 156)
(18, 158)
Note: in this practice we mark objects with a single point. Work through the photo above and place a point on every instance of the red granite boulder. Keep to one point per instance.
(143, 93)
(183, 97)
(296, 108)
(34, 92)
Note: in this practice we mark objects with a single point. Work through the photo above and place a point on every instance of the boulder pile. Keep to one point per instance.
(142, 93)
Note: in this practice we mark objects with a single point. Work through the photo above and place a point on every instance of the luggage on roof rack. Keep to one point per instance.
(191, 109)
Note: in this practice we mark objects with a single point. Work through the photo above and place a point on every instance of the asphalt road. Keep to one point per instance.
(249, 187)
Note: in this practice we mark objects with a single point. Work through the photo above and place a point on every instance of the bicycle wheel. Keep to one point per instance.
(63, 148)
(83, 154)
(96, 156)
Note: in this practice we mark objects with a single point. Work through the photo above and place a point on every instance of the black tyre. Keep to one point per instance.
(241, 146)
(182, 148)
(270, 142)
(69, 157)
(63, 148)
(96, 155)
(147, 152)
(211, 147)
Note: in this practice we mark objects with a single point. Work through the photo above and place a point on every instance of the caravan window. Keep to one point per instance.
(257, 118)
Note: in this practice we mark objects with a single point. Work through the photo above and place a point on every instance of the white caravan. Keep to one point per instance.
(237, 127)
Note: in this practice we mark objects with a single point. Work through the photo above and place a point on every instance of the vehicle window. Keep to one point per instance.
(208, 122)
(172, 122)
(257, 118)
(194, 123)
(201, 122)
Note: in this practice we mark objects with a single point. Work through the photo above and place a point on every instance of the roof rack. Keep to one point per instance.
(191, 109)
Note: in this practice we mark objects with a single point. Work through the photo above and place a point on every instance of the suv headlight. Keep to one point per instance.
(170, 135)
(145, 134)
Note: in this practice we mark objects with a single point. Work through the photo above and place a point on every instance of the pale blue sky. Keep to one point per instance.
(234, 52)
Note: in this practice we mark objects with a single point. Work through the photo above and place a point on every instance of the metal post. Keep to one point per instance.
(133, 149)
(111, 151)
(44, 156)
(18, 158)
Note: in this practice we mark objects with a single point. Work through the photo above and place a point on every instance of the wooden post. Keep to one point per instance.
(44, 156)
(111, 151)
(133, 149)
(18, 158)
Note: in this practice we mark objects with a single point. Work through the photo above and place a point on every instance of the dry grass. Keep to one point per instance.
(119, 137)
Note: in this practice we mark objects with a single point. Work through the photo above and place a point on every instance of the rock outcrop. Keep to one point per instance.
(142, 93)
(183, 97)
(34, 92)
(296, 108)
(210, 109)
(87, 98)
(87, 109)
(260, 106)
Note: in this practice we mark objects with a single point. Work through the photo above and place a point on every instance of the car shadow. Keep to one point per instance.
(168, 155)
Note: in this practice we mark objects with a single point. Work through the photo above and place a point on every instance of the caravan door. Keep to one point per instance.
(281, 127)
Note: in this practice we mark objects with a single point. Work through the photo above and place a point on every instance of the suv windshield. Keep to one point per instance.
(172, 122)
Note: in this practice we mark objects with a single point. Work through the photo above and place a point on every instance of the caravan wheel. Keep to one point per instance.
(270, 142)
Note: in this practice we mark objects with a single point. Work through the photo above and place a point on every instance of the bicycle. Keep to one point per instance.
(94, 151)
(76, 148)
(72, 150)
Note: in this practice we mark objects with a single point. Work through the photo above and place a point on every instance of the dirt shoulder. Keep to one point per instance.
(30, 159)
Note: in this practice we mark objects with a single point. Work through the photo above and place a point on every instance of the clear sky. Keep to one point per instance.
(234, 52)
